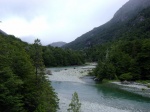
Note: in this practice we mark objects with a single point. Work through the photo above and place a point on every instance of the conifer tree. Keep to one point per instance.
(38, 60)
(46, 97)
(75, 104)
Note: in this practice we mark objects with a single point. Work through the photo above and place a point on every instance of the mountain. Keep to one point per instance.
(57, 44)
(2, 32)
(130, 18)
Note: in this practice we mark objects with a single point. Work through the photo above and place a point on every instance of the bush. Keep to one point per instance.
(125, 76)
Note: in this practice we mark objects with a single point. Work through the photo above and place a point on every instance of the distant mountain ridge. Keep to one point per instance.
(57, 44)
(126, 19)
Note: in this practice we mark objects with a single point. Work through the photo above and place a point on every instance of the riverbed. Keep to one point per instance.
(94, 97)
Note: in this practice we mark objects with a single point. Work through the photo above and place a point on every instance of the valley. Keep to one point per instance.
(108, 67)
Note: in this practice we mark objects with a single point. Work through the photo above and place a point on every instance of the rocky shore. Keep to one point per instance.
(136, 88)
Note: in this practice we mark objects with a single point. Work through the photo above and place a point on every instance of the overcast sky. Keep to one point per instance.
(54, 20)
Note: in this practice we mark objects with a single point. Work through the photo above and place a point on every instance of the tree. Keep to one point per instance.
(75, 105)
(47, 100)
(38, 59)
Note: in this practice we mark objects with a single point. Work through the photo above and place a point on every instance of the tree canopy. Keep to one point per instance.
(18, 88)
(124, 60)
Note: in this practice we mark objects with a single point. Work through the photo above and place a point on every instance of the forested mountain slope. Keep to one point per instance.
(133, 17)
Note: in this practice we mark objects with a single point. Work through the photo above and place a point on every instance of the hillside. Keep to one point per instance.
(133, 17)
(57, 44)
(19, 83)
(2, 32)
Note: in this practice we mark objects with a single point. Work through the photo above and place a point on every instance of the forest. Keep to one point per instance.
(55, 56)
(23, 84)
(122, 60)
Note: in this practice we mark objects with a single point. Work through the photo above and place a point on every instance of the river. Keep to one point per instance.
(99, 97)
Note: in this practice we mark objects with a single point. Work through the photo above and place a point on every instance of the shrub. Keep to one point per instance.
(125, 76)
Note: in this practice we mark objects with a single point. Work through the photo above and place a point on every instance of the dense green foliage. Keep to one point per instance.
(23, 85)
(54, 56)
(124, 60)
(19, 91)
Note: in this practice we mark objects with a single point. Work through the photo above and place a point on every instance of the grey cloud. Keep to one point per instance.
(23, 8)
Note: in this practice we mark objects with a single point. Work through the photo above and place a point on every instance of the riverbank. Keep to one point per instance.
(136, 88)
(71, 74)
(74, 74)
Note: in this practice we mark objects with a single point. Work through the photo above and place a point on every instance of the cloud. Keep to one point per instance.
(55, 20)
(22, 8)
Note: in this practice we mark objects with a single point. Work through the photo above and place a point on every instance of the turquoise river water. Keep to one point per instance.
(106, 94)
